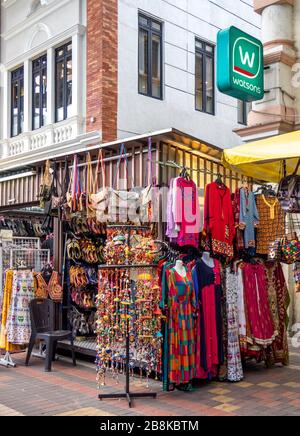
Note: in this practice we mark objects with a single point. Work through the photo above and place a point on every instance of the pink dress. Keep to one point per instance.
(187, 212)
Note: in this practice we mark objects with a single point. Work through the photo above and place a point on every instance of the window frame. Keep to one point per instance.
(65, 57)
(150, 32)
(19, 73)
(211, 55)
(39, 69)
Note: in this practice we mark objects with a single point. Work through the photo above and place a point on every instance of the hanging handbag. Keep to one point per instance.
(45, 191)
(289, 192)
(99, 197)
(123, 205)
(275, 250)
(290, 248)
(147, 198)
(90, 189)
(56, 194)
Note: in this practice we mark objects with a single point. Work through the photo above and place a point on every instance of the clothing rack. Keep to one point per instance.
(103, 267)
(128, 394)
(172, 164)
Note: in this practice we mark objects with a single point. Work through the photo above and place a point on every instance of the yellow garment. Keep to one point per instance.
(4, 344)
(263, 159)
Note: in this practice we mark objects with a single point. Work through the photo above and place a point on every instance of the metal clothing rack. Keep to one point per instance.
(127, 394)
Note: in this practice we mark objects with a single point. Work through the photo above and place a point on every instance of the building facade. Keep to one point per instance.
(279, 111)
(80, 72)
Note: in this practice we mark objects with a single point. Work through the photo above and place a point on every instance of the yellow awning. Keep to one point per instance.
(263, 160)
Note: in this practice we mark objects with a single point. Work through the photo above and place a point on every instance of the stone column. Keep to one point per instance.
(276, 113)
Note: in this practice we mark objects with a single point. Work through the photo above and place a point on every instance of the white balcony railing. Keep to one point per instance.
(42, 138)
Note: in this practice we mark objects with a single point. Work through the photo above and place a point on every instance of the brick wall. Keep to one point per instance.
(102, 67)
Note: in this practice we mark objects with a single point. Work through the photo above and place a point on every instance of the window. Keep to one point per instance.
(39, 92)
(243, 111)
(63, 94)
(17, 102)
(150, 57)
(205, 77)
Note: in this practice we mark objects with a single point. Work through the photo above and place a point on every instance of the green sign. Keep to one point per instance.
(240, 65)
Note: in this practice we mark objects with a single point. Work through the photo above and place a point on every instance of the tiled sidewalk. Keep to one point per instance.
(69, 391)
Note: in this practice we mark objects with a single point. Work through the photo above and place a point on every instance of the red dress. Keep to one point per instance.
(257, 303)
(218, 219)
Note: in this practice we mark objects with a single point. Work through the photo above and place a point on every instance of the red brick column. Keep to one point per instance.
(102, 67)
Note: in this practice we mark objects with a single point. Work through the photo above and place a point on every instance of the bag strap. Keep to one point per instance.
(90, 183)
(100, 167)
(123, 156)
(149, 176)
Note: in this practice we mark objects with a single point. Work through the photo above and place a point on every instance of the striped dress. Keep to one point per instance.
(182, 306)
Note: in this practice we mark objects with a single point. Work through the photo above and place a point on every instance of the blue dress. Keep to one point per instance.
(248, 216)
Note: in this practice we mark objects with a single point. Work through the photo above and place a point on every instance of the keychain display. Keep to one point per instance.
(125, 297)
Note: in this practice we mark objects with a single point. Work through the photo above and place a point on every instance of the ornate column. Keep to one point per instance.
(276, 113)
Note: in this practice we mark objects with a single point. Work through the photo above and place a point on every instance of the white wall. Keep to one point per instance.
(183, 21)
(26, 35)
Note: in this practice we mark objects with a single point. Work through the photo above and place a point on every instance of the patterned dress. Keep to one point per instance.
(263, 332)
(182, 306)
(234, 361)
(18, 322)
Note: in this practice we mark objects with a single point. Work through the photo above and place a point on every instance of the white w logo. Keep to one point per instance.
(245, 58)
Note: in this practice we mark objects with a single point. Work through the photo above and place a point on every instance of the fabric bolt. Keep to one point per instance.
(218, 219)
(187, 215)
(209, 343)
(249, 216)
(257, 304)
(182, 307)
(271, 223)
(18, 322)
(234, 360)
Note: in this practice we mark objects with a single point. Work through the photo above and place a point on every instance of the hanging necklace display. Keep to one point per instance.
(129, 325)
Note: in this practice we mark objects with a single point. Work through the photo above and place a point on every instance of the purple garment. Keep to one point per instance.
(171, 233)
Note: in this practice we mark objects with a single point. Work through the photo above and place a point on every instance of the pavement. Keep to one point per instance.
(68, 391)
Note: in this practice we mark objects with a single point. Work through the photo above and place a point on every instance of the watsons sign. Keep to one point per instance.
(240, 65)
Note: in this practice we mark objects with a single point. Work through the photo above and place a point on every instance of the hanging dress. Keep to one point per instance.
(257, 305)
(279, 300)
(187, 212)
(249, 217)
(18, 322)
(271, 223)
(7, 295)
(234, 360)
(182, 308)
(219, 220)
(209, 346)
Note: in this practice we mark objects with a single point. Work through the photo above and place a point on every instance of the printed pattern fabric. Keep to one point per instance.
(234, 360)
(218, 219)
(271, 223)
(18, 322)
(182, 307)
(279, 300)
(187, 212)
(257, 304)
(248, 216)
